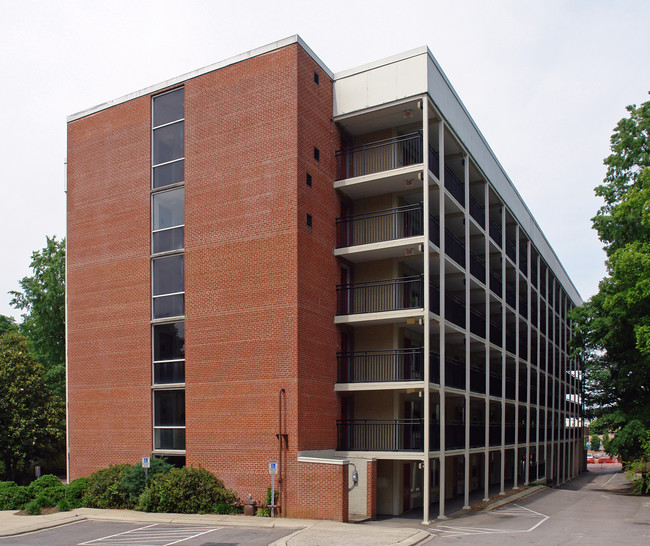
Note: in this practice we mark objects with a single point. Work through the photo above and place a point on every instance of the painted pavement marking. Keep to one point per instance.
(514, 510)
(153, 535)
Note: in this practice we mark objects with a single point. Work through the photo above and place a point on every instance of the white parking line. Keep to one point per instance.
(149, 536)
(509, 510)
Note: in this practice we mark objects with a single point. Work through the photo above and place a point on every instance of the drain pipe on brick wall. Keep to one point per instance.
(281, 435)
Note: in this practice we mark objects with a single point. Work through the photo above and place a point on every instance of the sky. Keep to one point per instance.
(546, 83)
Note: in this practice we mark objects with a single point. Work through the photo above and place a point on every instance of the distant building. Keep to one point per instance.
(271, 262)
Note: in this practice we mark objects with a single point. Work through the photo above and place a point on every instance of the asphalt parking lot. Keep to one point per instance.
(106, 533)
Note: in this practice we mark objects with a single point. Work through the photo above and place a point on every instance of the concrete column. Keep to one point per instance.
(426, 466)
(486, 242)
(468, 415)
(443, 259)
(503, 352)
(517, 313)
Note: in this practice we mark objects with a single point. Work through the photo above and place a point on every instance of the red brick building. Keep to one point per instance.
(226, 230)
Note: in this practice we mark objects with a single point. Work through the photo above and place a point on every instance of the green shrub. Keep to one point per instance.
(74, 493)
(227, 509)
(64, 505)
(105, 489)
(133, 481)
(263, 512)
(12, 496)
(33, 508)
(50, 496)
(185, 490)
(44, 482)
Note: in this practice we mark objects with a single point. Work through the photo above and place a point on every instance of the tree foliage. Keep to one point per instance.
(612, 330)
(31, 417)
(42, 299)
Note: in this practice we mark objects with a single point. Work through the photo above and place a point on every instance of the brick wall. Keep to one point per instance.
(108, 286)
(260, 285)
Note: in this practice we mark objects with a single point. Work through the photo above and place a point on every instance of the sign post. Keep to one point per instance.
(146, 464)
(273, 470)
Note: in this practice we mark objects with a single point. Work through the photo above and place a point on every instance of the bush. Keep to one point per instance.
(105, 489)
(44, 482)
(185, 490)
(12, 496)
(74, 493)
(33, 508)
(133, 481)
(64, 505)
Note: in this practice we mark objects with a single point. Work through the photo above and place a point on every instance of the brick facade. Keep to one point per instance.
(259, 284)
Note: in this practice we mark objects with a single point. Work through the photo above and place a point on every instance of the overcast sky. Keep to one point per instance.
(546, 82)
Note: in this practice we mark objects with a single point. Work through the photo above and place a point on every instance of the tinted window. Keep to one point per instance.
(169, 341)
(168, 274)
(168, 209)
(168, 143)
(168, 107)
(169, 372)
(167, 174)
(169, 408)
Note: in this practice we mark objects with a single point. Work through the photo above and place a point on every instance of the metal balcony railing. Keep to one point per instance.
(477, 435)
(495, 384)
(381, 155)
(381, 366)
(511, 296)
(454, 435)
(495, 232)
(454, 248)
(495, 434)
(434, 230)
(496, 283)
(454, 310)
(511, 250)
(379, 226)
(477, 267)
(477, 211)
(382, 295)
(380, 435)
(455, 373)
(454, 185)
(496, 334)
(477, 322)
(477, 380)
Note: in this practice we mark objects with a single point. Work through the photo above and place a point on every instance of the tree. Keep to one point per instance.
(612, 331)
(31, 417)
(7, 324)
(43, 300)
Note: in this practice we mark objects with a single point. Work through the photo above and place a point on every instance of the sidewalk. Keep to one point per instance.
(307, 532)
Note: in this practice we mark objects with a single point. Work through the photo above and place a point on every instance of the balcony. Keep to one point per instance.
(511, 250)
(454, 248)
(379, 226)
(384, 225)
(455, 310)
(382, 155)
(477, 267)
(454, 435)
(454, 185)
(382, 295)
(380, 435)
(477, 435)
(477, 322)
(495, 232)
(477, 211)
(455, 373)
(381, 366)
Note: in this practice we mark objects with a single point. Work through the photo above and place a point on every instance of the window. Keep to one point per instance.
(169, 353)
(316, 78)
(309, 220)
(168, 220)
(169, 419)
(316, 154)
(168, 286)
(308, 179)
(168, 138)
